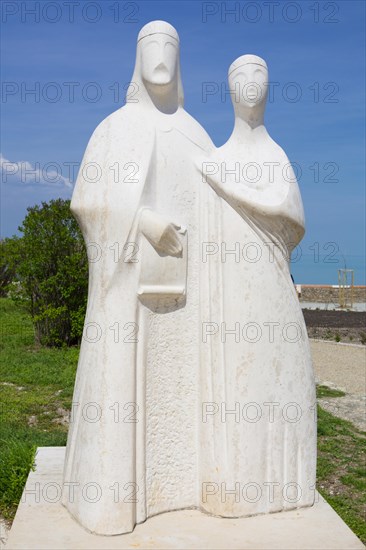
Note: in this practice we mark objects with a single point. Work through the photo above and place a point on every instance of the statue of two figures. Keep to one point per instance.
(194, 386)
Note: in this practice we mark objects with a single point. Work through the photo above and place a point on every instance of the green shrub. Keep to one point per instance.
(8, 265)
(52, 270)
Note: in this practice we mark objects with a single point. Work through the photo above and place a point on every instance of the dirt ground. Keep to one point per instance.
(342, 367)
(339, 326)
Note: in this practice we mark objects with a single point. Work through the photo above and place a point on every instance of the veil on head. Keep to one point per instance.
(140, 94)
(247, 59)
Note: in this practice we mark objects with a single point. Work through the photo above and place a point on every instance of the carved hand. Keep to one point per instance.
(163, 235)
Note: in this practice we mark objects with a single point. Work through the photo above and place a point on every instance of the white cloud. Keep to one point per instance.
(24, 172)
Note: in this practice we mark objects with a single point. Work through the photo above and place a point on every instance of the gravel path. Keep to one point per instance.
(343, 367)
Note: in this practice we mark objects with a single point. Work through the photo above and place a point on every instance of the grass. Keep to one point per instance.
(36, 386)
(341, 468)
(324, 391)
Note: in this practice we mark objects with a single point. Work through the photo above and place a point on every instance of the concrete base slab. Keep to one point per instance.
(45, 525)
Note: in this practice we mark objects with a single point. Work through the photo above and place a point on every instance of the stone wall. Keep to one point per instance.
(329, 294)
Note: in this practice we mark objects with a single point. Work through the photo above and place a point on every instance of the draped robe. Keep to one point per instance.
(258, 429)
(132, 448)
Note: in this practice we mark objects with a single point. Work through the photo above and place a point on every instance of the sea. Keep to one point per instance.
(309, 269)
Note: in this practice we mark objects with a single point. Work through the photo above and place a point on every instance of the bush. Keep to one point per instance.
(52, 268)
(8, 264)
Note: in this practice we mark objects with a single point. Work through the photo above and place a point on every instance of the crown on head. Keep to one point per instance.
(158, 27)
(246, 60)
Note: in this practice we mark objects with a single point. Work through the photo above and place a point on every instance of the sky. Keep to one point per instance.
(66, 66)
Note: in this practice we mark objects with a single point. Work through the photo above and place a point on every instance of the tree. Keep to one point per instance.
(53, 271)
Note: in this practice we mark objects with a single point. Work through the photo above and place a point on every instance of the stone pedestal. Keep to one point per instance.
(42, 522)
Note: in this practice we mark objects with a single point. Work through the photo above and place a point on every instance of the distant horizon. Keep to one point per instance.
(306, 271)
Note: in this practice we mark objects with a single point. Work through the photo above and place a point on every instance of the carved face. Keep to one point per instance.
(249, 85)
(159, 56)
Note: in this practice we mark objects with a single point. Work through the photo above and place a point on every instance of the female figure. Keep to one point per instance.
(133, 440)
(258, 393)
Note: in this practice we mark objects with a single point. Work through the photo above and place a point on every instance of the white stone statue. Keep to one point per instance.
(155, 372)
(258, 391)
(132, 449)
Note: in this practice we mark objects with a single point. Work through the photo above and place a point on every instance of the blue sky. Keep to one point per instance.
(315, 55)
